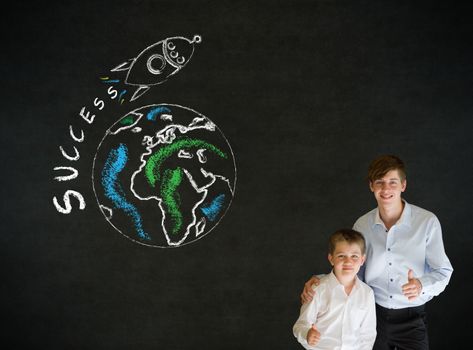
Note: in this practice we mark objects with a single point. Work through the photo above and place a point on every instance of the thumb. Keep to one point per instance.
(314, 327)
(410, 274)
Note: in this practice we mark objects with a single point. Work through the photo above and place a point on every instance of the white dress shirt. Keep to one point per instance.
(414, 242)
(344, 321)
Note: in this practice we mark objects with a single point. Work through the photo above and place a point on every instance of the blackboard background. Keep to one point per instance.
(307, 92)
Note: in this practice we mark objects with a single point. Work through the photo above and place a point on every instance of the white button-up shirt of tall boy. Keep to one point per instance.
(414, 242)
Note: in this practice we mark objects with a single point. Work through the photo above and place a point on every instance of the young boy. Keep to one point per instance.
(342, 313)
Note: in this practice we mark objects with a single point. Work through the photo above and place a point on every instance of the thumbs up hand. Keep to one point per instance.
(313, 336)
(413, 287)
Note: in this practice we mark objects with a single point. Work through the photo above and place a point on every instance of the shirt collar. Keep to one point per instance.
(405, 218)
(334, 283)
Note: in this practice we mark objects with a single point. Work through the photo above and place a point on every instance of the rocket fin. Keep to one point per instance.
(123, 66)
(140, 91)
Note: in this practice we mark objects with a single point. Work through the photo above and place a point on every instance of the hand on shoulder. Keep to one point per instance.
(308, 292)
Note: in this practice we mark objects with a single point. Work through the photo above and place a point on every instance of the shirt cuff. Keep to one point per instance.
(426, 285)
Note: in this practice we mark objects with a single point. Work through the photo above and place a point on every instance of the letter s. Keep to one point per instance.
(99, 103)
(112, 92)
(67, 202)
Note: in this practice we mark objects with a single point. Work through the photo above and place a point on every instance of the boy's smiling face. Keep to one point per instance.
(388, 189)
(346, 260)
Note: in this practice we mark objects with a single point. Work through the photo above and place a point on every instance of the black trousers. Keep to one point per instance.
(401, 329)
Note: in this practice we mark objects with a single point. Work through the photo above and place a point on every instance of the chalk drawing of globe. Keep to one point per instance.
(164, 175)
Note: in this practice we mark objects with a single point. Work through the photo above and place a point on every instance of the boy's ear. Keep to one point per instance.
(330, 259)
(363, 259)
(403, 185)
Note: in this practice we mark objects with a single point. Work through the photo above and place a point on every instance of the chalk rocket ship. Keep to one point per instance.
(155, 64)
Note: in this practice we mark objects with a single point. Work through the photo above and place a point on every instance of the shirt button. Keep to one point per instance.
(390, 264)
(390, 296)
(391, 279)
(389, 249)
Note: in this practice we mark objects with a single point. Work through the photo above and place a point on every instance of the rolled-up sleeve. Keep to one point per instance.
(438, 268)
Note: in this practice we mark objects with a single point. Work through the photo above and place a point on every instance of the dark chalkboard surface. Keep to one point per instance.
(303, 94)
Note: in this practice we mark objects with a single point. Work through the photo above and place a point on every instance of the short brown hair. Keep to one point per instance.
(346, 235)
(381, 165)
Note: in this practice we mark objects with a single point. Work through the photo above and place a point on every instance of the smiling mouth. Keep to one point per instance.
(387, 196)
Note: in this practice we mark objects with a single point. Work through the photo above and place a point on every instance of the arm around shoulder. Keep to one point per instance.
(308, 291)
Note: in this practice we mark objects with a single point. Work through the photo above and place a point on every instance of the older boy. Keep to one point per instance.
(406, 264)
(342, 314)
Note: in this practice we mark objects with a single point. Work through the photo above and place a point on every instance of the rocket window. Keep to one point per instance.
(155, 64)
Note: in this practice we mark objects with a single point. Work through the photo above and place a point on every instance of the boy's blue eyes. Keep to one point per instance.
(353, 256)
(391, 183)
